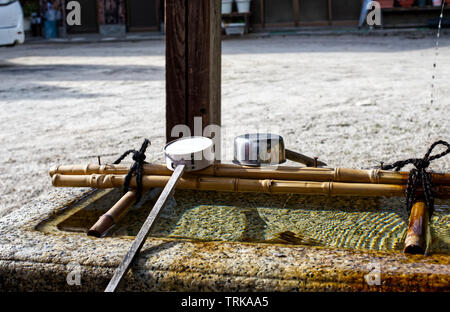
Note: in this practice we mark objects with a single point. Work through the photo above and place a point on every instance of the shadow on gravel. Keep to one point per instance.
(41, 91)
(82, 72)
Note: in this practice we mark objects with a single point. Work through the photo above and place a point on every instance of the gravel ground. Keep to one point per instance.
(352, 100)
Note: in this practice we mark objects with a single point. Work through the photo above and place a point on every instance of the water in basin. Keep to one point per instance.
(346, 222)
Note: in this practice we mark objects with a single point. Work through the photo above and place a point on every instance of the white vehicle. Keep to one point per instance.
(11, 23)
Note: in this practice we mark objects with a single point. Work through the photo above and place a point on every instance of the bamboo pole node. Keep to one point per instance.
(329, 189)
(337, 174)
(53, 170)
(111, 217)
(374, 175)
(266, 184)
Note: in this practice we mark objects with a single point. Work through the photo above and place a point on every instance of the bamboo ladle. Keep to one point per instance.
(185, 154)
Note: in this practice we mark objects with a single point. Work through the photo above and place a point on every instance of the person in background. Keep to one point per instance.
(52, 17)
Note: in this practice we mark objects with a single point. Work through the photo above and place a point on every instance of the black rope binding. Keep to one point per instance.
(138, 157)
(418, 175)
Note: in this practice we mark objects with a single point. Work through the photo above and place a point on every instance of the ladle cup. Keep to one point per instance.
(260, 149)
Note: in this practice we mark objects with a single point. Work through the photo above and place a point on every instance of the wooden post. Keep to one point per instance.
(296, 7)
(63, 13)
(158, 4)
(193, 63)
(100, 12)
(263, 21)
(330, 14)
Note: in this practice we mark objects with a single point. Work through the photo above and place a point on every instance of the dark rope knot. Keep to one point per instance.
(139, 160)
(420, 176)
(139, 157)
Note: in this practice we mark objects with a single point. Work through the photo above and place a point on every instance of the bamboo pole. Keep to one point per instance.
(113, 215)
(280, 173)
(416, 237)
(228, 184)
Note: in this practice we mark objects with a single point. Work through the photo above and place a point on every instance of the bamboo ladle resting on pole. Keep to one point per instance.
(185, 154)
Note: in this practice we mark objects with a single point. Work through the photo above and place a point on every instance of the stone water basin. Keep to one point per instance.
(343, 222)
(219, 241)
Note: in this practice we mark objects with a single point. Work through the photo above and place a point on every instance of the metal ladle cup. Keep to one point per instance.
(262, 149)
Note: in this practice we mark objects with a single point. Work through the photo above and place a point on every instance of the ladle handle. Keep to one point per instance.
(303, 159)
(145, 229)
